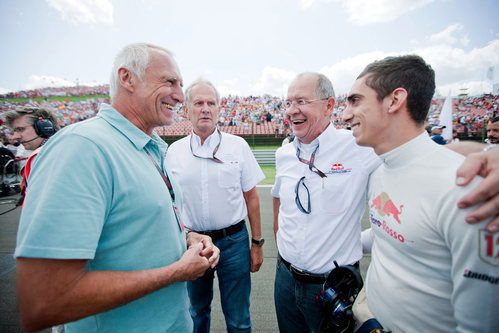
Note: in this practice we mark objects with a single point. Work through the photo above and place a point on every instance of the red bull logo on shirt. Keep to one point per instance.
(385, 206)
(338, 168)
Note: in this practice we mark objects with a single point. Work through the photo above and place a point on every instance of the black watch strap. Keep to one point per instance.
(258, 242)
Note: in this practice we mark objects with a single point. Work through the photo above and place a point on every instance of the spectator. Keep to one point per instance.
(436, 134)
(32, 128)
(287, 139)
(493, 131)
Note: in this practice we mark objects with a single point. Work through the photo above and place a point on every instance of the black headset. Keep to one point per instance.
(44, 128)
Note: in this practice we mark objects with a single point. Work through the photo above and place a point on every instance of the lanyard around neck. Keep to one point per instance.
(163, 175)
(213, 158)
(310, 163)
(170, 189)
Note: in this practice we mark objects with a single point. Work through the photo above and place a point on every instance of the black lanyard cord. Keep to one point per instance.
(310, 163)
(214, 158)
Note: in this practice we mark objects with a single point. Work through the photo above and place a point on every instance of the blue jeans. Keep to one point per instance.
(233, 272)
(295, 304)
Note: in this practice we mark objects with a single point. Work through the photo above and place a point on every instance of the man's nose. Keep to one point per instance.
(291, 110)
(16, 136)
(178, 94)
(347, 114)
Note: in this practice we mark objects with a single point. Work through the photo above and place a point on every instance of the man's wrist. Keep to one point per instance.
(258, 241)
(371, 326)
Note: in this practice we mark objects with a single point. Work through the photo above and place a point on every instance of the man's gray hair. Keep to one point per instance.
(198, 82)
(135, 58)
(324, 88)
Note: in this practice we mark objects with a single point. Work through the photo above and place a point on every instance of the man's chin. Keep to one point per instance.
(168, 121)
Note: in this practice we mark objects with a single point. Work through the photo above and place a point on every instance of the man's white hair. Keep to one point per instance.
(134, 57)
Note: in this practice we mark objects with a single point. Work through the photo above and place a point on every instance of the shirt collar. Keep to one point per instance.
(132, 132)
(210, 142)
(409, 152)
(323, 138)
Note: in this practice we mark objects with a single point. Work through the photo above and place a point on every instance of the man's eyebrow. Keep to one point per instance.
(352, 96)
(174, 79)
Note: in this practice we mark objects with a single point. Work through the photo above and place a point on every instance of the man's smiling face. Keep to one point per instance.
(310, 120)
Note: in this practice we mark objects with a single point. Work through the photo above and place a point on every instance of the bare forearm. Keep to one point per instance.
(101, 291)
(465, 147)
(89, 294)
(52, 291)
(255, 221)
(253, 206)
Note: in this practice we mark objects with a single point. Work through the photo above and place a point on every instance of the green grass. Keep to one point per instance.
(52, 98)
(266, 147)
(269, 172)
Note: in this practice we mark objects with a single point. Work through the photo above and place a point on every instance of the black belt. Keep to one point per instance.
(307, 277)
(221, 233)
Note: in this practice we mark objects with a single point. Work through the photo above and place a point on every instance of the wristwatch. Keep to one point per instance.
(258, 242)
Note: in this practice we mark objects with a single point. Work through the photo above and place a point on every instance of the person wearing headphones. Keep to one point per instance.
(32, 127)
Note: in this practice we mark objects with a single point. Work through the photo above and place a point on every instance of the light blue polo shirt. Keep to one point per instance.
(95, 194)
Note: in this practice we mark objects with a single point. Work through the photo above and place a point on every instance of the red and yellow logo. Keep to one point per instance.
(385, 206)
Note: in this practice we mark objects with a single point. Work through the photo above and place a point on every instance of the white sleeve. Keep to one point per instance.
(367, 239)
(277, 182)
(474, 272)
(251, 174)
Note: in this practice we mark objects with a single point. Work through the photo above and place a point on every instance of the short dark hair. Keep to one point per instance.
(410, 72)
(495, 119)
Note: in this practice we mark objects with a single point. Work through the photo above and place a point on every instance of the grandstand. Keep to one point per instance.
(259, 119)
(184, 127)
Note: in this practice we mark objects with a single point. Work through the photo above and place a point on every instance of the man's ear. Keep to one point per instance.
(398, 100)
(127, 79)
(186, 110)
(330, 105)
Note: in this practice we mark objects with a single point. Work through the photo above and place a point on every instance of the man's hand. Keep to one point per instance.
(361, 311)
(256, 257)
(209, 250)
(485, 164)
(193, 263)
(364, 318)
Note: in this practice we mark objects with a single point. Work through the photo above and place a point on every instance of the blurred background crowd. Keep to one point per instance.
(241, 115)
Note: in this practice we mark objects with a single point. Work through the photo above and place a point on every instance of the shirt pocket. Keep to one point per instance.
(336, 193)
(228, 175)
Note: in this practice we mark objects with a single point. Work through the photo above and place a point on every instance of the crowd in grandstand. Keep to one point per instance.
(242, 115)
(59, 91)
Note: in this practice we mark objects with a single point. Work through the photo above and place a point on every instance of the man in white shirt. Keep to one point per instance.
(319, 199)
(430, 271)
(218, 175)
(286, 140)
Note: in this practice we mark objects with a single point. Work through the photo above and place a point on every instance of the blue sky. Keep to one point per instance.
(249, 47)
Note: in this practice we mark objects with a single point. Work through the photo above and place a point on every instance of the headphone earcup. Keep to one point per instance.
(44, 128)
